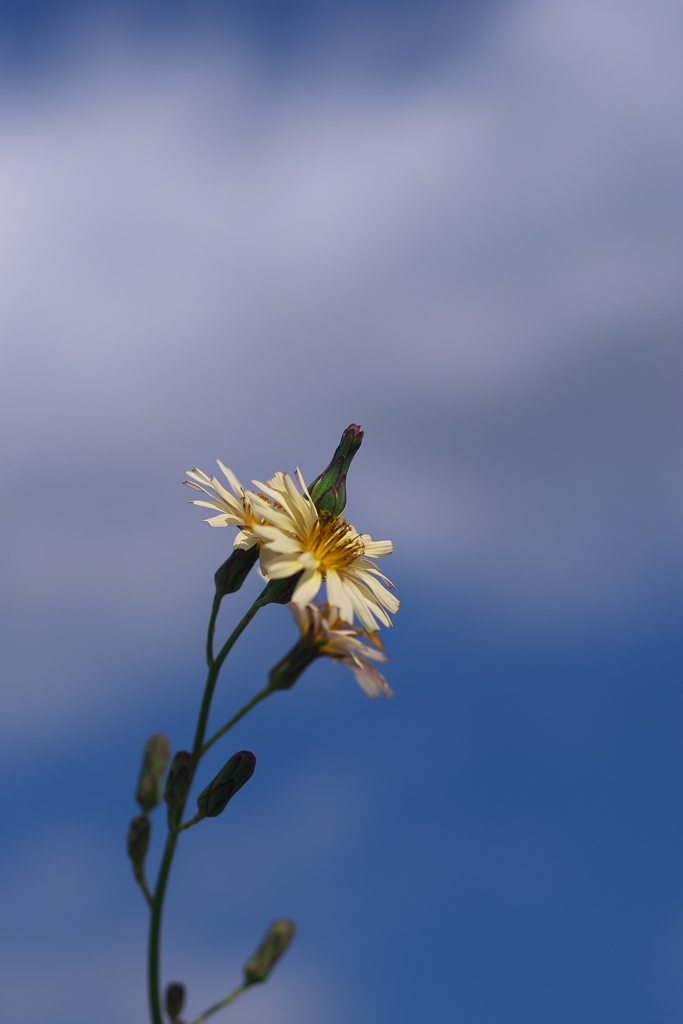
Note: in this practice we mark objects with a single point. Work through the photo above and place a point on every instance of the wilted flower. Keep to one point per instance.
(323, 548)
(323, 633)
(235, 509)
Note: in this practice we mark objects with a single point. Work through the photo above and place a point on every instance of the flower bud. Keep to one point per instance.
(175, 1000)
(232, 776)
(178, 785)
(275, 942)
(328, 491)
(138, 841)
(283, 675)
(233, 572)
(154, 761)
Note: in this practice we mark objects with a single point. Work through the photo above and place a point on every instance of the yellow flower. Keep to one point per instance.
(324, 549)
(323, 629)
(235, 509)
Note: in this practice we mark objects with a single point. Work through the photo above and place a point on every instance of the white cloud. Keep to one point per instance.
(201, 259)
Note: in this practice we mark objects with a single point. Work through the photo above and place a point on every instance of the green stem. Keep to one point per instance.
(192, 821)
(155, 928)
(212, 677)
(261, 695)
(172, 838)
(212, 629)
(142, 882)
(219, 1006)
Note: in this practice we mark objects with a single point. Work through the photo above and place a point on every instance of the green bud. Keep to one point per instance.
(232, 776)
(283, 675)
(275, 942)
(138, 841)
(154, 761)
(233, 572)
(175, 1000)
(178, 785)
(328, 491)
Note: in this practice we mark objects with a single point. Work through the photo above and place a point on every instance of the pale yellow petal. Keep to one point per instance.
(279, 568)
(231, 478)
(209, 504)
(307, 587)
(244, 540)
(302, 485)
(385, 597)
(370, 679)
(199, 475)
(337, 596)
(276, 539)
(225, 494)
(218, 521)
(368, 566)
(376, 548)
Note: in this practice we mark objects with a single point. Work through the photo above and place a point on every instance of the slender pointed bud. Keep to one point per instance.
(283, 675)
(233, 572)
(275, 942)
(154, 761)
(175, 1000)
(138, 841)
(178, 785)
(328, 491)
(232, 776)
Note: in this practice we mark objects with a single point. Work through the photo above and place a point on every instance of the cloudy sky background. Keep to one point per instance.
(229, 232)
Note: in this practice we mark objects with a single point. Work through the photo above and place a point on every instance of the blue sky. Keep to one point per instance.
(229, 231)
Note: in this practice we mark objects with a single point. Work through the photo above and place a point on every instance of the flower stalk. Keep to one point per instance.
(172, 838)
(300, 541)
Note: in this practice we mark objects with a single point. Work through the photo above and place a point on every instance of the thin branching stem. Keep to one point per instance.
(219, 1006)
(261, 695)
(145, 890)
(212, 677)
(157, 899)
(215, 608)
(193, 821)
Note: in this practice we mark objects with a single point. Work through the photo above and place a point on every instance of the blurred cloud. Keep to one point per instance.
(202, 257)
(57, 897)
(308, 821)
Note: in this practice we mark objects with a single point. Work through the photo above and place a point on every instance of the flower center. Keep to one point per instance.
(333, 542)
